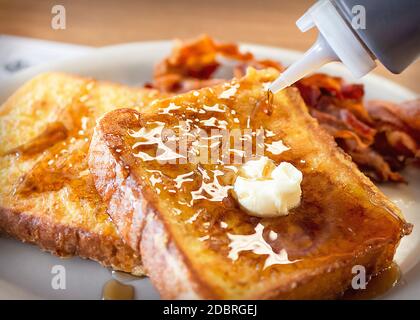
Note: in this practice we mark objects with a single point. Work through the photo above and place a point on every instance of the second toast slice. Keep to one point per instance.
(47, 196)
(184, 220)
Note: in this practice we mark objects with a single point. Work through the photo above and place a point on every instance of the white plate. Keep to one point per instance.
(25, 272)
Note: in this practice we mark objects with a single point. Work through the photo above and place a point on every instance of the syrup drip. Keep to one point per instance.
(264, 105)
(115, 290)
(267, 105)
(119, 288)
(377, 285)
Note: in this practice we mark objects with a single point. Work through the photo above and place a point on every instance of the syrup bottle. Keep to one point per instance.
(357, 33)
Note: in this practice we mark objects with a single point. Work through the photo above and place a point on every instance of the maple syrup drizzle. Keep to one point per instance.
(265, 105)
(268, 103)
(270, 97)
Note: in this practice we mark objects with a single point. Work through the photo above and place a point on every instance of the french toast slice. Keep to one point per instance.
(183, 219)
(47, 196)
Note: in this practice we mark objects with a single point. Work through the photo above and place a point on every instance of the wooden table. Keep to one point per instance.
(99, 23)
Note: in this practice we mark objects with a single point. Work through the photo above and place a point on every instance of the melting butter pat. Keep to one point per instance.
(266, 190)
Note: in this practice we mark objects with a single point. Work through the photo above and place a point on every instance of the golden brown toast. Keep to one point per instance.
(183, 218)
(47, 196)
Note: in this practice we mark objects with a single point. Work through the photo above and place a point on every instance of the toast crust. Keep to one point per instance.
(67, 241)
(47, 197)
(182, 266)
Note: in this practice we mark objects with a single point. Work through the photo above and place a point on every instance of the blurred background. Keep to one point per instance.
(104, 22)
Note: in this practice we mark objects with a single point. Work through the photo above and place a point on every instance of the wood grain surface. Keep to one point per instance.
(99, 23)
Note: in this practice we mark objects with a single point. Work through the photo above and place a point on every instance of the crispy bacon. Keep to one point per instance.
(338, 128)
(398, 126)
(374, 165)
(193, 62)
(321, 91)
(380, 136)
(409, 112)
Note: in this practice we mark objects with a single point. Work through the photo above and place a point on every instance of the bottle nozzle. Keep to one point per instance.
(318, 55)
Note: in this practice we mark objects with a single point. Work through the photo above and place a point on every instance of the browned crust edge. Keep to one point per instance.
(66, 241)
